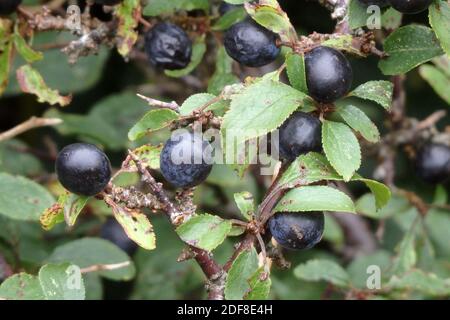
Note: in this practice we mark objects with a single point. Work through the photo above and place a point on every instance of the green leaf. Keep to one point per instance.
(5, 65)
(14, 161)
(314, 167)
(272, 17)
(443, 63)
(437, 79)
(136, 225)
(148, 156)
(418, 280)
(88, 252)
(406, 257)
(439, 16)
(198, 51)
(259, 284)
(377, 91)
(357, 14)
(197, 100)
(343, 42)
(72, 207)
(223, 74)
(21, 286)
(391, 19)
(152, 120)
(22, 199)
(25, 50)
(359, 122)
(160, 7)
(408, 47)
(341, 148)
(262, 107)
(127, 14)
(295, 68)
(236, 1)
(204, 231)
(320, 269)
(333, 232)
(31, 81)
(242, 269)
(246, 204)
(315, 198)
(61, 282)
(229, 18)
(67, 209)
(365, 205)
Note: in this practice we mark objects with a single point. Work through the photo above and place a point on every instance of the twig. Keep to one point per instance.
(105, 267)
(7, 270)
(31, 123)
(160, 104)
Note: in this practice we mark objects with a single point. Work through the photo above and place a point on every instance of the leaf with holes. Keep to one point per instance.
(315, 198)
(377, 91)
(21, 286)
(359, 122)
(242, 269)
(341, 148)
(246, 204)
(204, 231)
(259, 284)
(61, 282)
(127, 13)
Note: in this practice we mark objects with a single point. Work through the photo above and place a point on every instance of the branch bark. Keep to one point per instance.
(31, 123)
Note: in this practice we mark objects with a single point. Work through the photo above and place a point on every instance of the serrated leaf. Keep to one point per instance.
(242, 269)
(295, 68)
(25, 50)
(320, 269)
(343, 42)
(271, 16)
(198, 51)
(246, 204)
(359, 122)
(437, 80)
(88, 252)
(204, 231)
(408, 47)
(136, 225)
(148, 155)
(21, 286)
(160, 7)
(314, 167)
(58, 283)
(259, 284)
(197, 100)
(262, 107)
(341, 148)
(439, 16)
(418, 280)
(229, 18)
(377, 91)
(315, 198)
(152, 120)
(128, 13)
(31, 81)
(22, 199)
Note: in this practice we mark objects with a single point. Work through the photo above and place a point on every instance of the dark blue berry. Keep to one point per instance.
(297, 230)
(299, 134)
(225, 7)
(410, 6)
(186, 160)
(9, 6)
(83, 169)
(328, 74)
(168, 46)
(113, 231)
(251, 44)
(433, 163)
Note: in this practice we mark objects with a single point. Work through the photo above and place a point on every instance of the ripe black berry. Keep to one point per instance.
(410, 6)
(108, 2)
(299, 134)
(168, 46)
(251, 44)
(8, 6)
(83, 169)
(297, 230)
(328, 74)
(225, 7)
(113, 231)
(185, 161)
(433, 163)
(380, 3)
